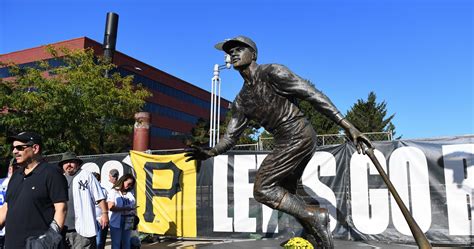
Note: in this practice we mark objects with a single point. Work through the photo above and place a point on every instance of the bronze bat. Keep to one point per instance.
(420, 237)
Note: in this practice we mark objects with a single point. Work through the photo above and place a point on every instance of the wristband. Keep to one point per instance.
(54, 225)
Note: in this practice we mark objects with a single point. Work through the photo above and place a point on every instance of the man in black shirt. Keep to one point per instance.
(35, 203)
(268, 97)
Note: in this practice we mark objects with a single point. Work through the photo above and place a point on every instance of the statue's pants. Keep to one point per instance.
(278, 175)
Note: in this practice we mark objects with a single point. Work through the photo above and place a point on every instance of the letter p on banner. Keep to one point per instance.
(166, 194)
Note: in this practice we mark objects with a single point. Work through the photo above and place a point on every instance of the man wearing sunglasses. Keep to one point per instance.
(35, 204)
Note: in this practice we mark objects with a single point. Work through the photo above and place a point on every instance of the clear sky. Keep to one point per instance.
(416, 55)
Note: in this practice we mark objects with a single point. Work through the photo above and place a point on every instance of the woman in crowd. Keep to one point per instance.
(122, 211)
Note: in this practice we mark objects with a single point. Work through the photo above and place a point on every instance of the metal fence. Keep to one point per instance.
(263, 144)
(267, 143)
(57, 157)
(253, 147)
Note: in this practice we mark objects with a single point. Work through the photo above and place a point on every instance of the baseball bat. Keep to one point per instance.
(419, 236)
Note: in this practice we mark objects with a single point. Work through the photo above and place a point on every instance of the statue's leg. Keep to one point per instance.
(315, 220)
(275, 186)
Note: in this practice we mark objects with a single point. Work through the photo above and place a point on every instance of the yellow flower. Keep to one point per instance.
(298, 243)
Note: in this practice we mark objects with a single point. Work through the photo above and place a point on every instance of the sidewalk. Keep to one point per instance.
(270, 244)
(265, 244)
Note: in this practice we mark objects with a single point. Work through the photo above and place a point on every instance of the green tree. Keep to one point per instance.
(321, 124)
(200, 133)
(370, 116)
(74, 106)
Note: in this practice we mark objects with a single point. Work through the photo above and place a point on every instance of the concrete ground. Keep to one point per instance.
(262, 244)
(271, 244)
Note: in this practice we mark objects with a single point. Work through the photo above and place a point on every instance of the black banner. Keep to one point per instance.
(434, 177)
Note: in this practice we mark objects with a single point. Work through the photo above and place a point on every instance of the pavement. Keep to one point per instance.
(263, 244)
(272, 244)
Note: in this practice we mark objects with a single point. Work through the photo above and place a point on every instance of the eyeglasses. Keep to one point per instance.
(22, 147)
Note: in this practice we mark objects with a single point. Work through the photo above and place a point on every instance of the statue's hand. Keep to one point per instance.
(198, 153)
(360, 140)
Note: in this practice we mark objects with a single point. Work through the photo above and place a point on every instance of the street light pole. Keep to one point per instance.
(215, 112)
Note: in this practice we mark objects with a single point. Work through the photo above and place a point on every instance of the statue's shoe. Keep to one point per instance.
(318, 228)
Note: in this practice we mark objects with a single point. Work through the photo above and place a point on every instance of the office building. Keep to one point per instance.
(175, 105)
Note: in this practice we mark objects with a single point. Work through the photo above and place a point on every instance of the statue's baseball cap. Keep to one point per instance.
(26, 137)
(240, 40)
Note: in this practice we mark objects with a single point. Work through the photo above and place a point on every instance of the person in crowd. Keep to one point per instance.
(113, 176)
(12, 166)
(122, 208)
(35, 204)
(102, 231)
(84, 193)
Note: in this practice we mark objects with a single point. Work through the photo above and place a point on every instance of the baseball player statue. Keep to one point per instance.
(269, 96)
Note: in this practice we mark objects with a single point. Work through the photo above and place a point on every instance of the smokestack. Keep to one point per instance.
(110, 36)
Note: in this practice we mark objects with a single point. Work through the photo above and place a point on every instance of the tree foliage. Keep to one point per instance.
(370, 116)
(200, 133)
(321, 124)
(74, 106)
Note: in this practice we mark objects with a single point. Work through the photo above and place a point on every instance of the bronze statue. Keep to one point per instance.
(269, 96)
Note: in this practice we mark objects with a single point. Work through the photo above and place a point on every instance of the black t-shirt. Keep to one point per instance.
(31, 201)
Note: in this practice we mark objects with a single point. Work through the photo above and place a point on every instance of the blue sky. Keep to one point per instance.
(416, 55)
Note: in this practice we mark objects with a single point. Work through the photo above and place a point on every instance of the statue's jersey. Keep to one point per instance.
(270, 99)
